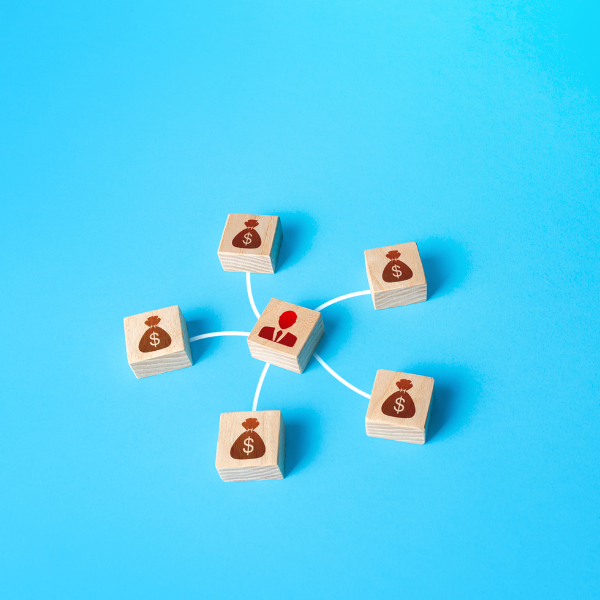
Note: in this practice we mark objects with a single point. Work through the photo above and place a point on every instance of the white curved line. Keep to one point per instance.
(340, 379)
(340, 298)
(217, 334)
(260, 382)
(249, 287)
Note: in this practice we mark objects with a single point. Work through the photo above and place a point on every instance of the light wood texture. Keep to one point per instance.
(254, 260)
(414, 429)
(177, 355)
(271, 430)
(386, 294)
(308, 330)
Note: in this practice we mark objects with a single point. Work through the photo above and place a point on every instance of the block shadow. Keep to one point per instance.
(298, 232)
(335, 325)
(456, 394)
(203, 321)
(446, 265)
(302, 428)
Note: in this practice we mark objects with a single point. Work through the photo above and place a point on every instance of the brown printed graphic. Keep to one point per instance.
(155, 338)
(286, 320)
(248, 238)
(400, 404)
(396, 270)
(249, 444)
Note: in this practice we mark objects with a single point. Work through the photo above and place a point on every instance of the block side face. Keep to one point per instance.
(276, 245)
(403, 297)
(369, 276)
(385, 273)
(281, 455)
(395, 439)
(412, 401)
(172, 362)
(290, 340)
(186, 338)
(311, 345)
(137, 334)
(289, 363)
(247, 442)
(428, 415)
(239, 239)
(243, 263)
(250, 474)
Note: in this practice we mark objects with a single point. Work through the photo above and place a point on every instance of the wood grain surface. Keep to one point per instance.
(307, 329)
(413, 429)
(271, 429)
(387, 294)
(262, 259)
(177, 355)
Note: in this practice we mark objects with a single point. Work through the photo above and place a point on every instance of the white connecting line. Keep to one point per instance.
(260, 382)
(321, 361)
(266, 367)
(243, 334)
(340, 379)
(218, 334)
(249, 288)
(340, 298)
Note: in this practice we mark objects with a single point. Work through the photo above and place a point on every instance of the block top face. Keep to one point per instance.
(400, 399)
(249, 234)
(394, 267)
(248, 439)
(153, 334)
(284, 327)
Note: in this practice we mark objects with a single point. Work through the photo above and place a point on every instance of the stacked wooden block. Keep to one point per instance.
(157, 342)
(250, 243)
(400, 406)
(251, 446)
(286, 335)
(395, 275)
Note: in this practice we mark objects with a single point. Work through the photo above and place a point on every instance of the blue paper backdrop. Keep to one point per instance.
(129, 131)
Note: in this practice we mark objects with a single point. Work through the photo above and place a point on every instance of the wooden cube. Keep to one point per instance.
(400, 406)
(250, 243)
(396, 275)
(157, 342)
(251, 446)
(286, 335)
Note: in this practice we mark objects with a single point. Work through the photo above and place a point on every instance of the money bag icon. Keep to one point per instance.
(400, 404)
(248, 238)
(396, 270)
(249, 444)
(155, 338)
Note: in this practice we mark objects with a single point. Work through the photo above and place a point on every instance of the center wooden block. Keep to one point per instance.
(395, 275)
(250, 243)
(251, 446)
(400, 406)
(286, 335)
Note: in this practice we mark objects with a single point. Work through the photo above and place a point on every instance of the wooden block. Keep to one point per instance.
(251, 446)
(157, 342)
(286, 335)
(396, 275)
(400, 406)
(250, 243)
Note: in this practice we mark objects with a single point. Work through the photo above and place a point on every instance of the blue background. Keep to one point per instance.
(130, 130)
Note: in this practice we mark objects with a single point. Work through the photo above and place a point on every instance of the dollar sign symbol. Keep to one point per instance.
(399, 405)
(247, 238)
(249, 446)
(397, 271)
(154, 339)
